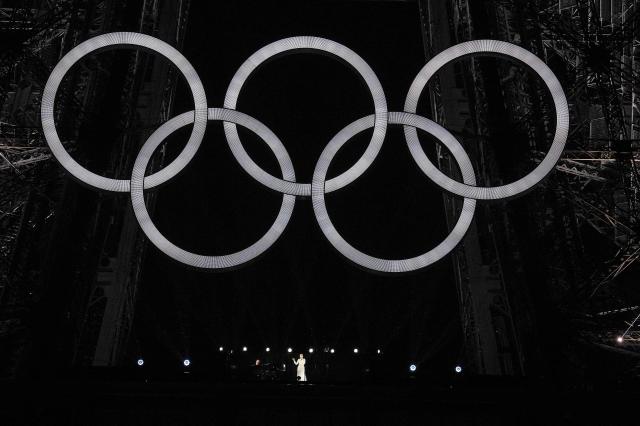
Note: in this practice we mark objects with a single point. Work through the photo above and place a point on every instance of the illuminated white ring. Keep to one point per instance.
(197, 260)
(374, 263)
(112, 39)
(559, 100)
(317, 44)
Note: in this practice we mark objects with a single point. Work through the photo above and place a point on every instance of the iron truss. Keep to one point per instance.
(599, 43)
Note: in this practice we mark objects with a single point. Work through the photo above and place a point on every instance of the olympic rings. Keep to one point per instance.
(114, 39)
(287, 185)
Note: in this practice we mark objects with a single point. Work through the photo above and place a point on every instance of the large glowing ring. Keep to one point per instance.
(113, 39)
(314, 44)
(374, 263)
(197, 260)
(559, 100)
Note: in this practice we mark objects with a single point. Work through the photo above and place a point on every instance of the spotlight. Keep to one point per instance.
(620, 339)
(221, 349)
(244, 349)
(186, 362)
(310, 350)
(268, 349)
(333, 351)
(289, 350)
(458, 369)
(355, 350)
(412, 368)
(141, 362)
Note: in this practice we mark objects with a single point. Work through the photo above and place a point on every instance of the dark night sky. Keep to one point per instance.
(301, 292)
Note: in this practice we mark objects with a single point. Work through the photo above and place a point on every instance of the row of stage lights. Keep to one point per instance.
(267, 349)
(290, 350)
(412, 367)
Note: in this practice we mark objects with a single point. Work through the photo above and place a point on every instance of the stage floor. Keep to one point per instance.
(190, 401)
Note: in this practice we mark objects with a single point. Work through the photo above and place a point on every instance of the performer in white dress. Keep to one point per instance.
(300, 362)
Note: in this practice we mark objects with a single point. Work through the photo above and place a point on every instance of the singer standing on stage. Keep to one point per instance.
(300, 362)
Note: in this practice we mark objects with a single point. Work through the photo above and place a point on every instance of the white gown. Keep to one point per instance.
(300, 370)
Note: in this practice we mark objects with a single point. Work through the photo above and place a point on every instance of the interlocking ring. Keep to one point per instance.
(117, 39)
(307, 43)
(374, 263)
(287, 185)
(197, 260)
(559, 101)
